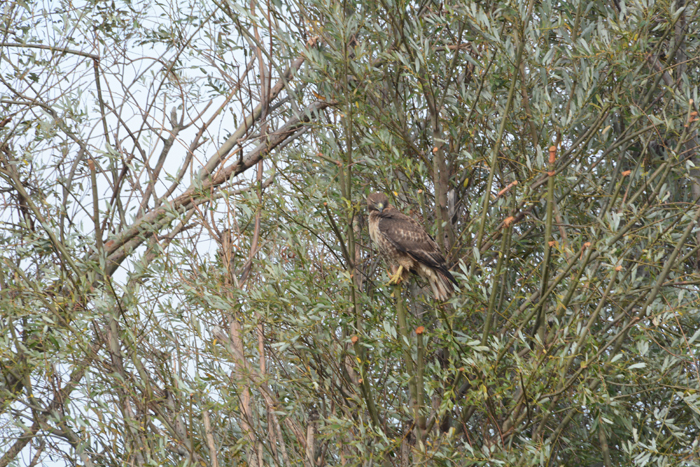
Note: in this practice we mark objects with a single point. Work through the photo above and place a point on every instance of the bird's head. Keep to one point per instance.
(377, 202)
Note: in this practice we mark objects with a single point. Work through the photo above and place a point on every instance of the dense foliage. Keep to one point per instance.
(186, 275)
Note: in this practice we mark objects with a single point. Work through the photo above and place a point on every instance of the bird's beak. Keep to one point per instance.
(380, 206)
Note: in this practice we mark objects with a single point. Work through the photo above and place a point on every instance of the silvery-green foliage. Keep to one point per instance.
(186, 275)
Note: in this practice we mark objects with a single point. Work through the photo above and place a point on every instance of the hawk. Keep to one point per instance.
(406, 246)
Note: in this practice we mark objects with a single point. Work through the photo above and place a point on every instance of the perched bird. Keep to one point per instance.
(406, 246)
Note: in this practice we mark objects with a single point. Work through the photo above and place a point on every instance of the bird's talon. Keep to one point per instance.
(397, 278)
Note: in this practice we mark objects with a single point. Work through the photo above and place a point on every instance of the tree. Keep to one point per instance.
(186, 274)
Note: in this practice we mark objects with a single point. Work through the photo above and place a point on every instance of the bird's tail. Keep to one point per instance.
(442, 286)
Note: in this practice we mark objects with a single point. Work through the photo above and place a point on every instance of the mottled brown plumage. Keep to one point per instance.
(406, 246)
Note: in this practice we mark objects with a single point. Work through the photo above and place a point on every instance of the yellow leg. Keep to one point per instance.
(397, 277)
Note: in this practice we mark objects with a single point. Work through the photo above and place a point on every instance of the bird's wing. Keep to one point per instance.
(408, 236)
